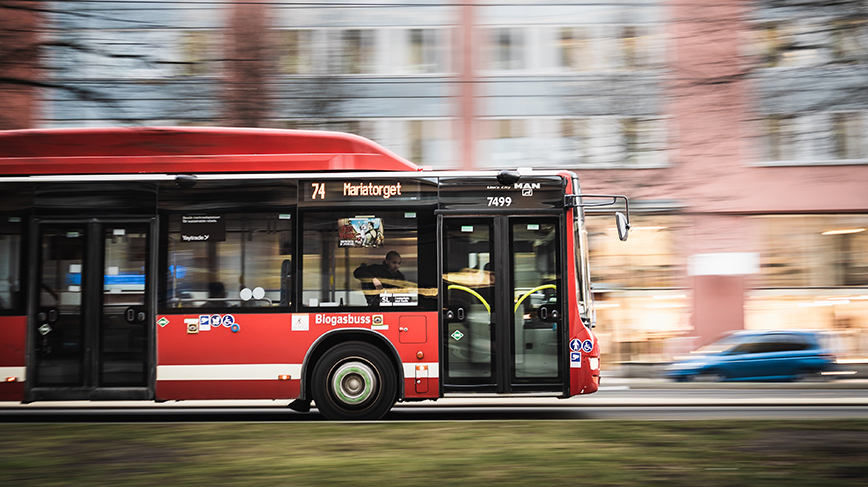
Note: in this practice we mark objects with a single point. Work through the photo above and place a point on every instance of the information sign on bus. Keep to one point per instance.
(466, 194)
(361, 191)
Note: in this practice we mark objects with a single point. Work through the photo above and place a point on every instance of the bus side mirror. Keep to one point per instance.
(623, 226)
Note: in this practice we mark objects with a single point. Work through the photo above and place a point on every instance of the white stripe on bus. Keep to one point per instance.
(258, 371)
(228, 372)
(433, 369)
(17, 372)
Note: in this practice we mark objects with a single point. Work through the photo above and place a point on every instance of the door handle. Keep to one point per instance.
(548, 314)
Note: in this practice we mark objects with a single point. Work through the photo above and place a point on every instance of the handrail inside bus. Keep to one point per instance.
(472, 292)
(538, 288)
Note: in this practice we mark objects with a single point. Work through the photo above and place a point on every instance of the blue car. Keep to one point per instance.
(757, 356)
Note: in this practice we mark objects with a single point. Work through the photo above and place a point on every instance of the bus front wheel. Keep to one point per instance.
(354, 381)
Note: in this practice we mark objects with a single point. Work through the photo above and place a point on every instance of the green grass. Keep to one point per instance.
(535, 453)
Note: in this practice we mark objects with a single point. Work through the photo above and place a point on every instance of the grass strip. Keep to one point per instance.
(503, 453)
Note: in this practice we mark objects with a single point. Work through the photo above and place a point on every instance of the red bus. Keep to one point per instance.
(164, 264)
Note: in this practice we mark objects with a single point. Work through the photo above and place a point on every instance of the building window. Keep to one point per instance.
(782, 137)
(575, 53)
(848, 135)
(295, 52)
(813, 275)
(643, 140)
(507, 48)
(430, 141)
(642, 314)
(196, 53)
(427, 51)
(813, 251)
(637, 47)
(850, 42)
(649, 259)
(245, 254)
(574, 140)
(506, 143)
(357, 51)
(791, 45)
(813, 137)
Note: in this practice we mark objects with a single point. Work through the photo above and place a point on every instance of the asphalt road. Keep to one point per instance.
(627, 400)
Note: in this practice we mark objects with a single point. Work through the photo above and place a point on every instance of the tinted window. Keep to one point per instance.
(218, 259)
(10, 262)
(772, 343)
(362, 258)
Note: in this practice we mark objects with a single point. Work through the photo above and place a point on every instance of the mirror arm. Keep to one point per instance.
(576, 201)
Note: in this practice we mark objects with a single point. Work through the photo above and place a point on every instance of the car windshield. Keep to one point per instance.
(722, 345)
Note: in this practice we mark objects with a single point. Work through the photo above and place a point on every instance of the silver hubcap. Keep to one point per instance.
(354, 382)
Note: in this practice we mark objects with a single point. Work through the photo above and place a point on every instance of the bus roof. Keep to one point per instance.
(124, 150)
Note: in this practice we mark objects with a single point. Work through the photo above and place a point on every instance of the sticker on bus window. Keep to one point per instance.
(363, 232)
(203, 228)
(575, 360)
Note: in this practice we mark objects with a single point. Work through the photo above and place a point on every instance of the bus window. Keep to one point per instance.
(364, 260)
(10, 258)
(229, 260)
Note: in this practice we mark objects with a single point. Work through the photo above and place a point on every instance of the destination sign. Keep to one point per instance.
(363, 191)
(528, 193)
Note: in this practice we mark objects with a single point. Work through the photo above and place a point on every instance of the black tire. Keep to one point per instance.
(354, 381)
(710, 376)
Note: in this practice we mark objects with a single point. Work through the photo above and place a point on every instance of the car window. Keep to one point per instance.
(750, 346)
(777, 342)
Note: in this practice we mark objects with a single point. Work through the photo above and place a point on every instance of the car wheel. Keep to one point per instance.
(354, 381)
(806, 376)
(711, 376)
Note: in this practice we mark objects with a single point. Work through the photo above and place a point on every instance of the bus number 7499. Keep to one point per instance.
(499, 201)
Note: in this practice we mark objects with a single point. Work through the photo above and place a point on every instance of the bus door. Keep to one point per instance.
(502, 314)
(91, 316)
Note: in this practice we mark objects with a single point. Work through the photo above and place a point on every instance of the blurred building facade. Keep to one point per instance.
(737, 128)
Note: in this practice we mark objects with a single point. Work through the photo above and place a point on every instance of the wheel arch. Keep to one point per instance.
(336, 337)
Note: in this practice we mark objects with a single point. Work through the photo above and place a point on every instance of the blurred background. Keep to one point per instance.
(737, 127)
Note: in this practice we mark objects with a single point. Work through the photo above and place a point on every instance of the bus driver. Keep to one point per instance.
(376, 277)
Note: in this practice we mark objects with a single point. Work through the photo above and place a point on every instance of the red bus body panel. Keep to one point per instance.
(583, 379)
(213, 362)
(13, 337)
(118, 150)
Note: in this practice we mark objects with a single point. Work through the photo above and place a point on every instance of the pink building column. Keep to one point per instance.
(718, 306)
(466, 47)
(719, 282)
